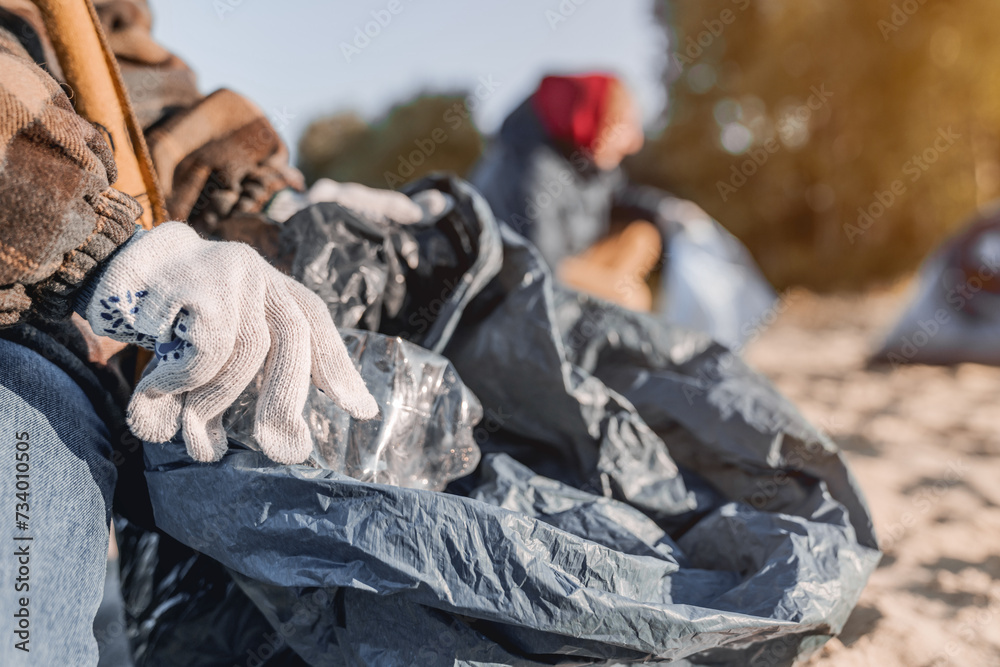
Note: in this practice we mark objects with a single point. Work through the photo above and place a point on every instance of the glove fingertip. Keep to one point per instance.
(409, 216)
(288, 446)
(362, 407)
(146, 431)
(203, 444)
(204, 454)
(290, 456)
(154, 417)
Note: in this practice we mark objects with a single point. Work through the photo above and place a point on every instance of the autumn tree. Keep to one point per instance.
(840, 140)
(428, 133)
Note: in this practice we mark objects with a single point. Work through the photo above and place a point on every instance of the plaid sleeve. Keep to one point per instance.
(59, 217)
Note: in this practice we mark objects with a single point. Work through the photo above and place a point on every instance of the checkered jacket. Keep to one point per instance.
(59, 216)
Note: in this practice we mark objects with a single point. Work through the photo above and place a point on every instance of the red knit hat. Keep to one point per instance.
(571, 108)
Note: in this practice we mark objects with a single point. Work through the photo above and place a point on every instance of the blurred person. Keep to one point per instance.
(217, 156)
(553, 174)
(220, 161)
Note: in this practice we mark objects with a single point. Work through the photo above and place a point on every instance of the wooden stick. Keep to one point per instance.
(99, 95)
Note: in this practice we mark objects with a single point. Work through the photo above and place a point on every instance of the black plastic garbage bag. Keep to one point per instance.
(518, 579)
(411, 281)
(723, 424)
(182, 609)
(696, 402)
(644, 496)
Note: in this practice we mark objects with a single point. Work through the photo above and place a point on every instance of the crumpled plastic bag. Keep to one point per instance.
(412, 281)
(710, 282)
(507, 570)
(182, 609)
(643, 495)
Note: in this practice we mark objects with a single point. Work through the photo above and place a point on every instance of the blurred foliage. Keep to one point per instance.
(428, 133)
(895, 75)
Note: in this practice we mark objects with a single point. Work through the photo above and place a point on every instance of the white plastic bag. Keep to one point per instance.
(710, 282)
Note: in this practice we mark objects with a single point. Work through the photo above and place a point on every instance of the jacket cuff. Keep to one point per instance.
(54, 298)
(85, 293)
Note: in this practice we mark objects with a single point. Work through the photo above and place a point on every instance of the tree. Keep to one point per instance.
(428, 133)
(840, 141)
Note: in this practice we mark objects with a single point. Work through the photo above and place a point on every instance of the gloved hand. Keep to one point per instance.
(214, 313)
(219, 157)
(371, 203)
(381, 205)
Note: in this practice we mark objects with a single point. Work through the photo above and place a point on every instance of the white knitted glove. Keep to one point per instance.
(214, 313)
(370, 203)
(383, 205)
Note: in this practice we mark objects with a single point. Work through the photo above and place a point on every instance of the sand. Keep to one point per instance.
(925, 444)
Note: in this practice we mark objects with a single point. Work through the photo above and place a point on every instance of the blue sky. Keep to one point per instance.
(289, 56)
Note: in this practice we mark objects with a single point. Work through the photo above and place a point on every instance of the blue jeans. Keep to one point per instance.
(56, 484)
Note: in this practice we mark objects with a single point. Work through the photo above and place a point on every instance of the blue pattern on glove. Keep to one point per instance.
(118, 313)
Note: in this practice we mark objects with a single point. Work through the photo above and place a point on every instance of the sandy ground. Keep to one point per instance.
(925, 445)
